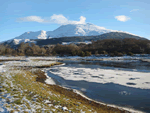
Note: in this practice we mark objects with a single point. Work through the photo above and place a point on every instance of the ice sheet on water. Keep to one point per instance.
(127, 78)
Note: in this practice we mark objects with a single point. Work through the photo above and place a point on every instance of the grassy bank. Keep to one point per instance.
(29, 93)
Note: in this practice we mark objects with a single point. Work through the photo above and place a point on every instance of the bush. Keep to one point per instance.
(103, 52)
(82, 54)
(112, 54)
(120, 54)
(54, 53)
(130, 53)
(87, 53)
(73, 53)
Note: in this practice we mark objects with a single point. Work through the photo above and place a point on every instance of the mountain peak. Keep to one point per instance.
(68, 30)
(87, 29)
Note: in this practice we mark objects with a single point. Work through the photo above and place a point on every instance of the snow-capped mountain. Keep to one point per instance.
(78, 30)
(68, 30)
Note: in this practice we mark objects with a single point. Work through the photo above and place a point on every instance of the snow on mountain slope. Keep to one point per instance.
(78, 30)
(27, 36)
(68, 30)
(33, 35)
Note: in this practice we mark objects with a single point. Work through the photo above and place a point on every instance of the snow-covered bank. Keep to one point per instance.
(49, 80)
(30, 63)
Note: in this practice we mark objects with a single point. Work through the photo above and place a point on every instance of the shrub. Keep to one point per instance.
(54, 53)
(87, 53)
(112, 54)
(130, 53)
(120, 54)
(82, 54)
(73, 53)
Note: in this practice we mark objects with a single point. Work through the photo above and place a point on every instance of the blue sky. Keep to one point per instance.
(19, 16)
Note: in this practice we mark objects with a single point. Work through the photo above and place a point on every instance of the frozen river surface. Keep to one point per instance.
(115, 82)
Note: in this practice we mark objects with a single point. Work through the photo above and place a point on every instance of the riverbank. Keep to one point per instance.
(57, 97)
(23, 89)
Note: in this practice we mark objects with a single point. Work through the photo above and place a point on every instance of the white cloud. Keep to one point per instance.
(134, 10)
(122, 18)
(58, 19)
(82, 20)
(31, 19)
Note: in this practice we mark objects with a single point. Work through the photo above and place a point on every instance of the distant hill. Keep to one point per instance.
(117, 35)
(111, 35)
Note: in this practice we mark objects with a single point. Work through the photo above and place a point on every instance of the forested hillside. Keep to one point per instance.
(112, 47)
(111, 35)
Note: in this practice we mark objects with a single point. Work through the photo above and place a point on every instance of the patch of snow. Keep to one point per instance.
(30, 63)
(2, 69)
(64, 108)
(58, 106)
(1, 110)
(47, 101)
(49, 80)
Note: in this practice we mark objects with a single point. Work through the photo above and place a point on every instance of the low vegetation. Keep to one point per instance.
(111, 47)
(29, 93)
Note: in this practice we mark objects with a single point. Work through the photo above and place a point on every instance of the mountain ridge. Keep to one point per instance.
(65, 31)
(69, 30)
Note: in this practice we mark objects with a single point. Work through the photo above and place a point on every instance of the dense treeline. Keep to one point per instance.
(28, 49)
(112, 47)
(119, 47)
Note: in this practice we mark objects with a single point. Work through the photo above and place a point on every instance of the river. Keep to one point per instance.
(122, 83)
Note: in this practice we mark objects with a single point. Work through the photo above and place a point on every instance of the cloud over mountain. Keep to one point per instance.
(58, 19)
